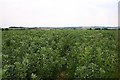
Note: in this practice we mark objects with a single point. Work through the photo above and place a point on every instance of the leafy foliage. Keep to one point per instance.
(59, 54)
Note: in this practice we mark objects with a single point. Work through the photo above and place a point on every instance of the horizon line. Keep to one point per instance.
(54, 26)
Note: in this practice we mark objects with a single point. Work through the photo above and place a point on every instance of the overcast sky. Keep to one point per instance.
(55, 13)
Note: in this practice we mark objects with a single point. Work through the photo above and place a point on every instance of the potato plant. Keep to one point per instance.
(59, 54)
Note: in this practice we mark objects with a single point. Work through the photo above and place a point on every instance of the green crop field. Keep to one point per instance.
(59, 54)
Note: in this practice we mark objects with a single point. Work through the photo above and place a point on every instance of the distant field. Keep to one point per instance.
(59, 54)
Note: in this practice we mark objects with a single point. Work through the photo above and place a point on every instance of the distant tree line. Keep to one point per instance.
(69, 28)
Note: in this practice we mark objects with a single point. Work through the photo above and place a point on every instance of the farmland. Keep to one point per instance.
(59, 54)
